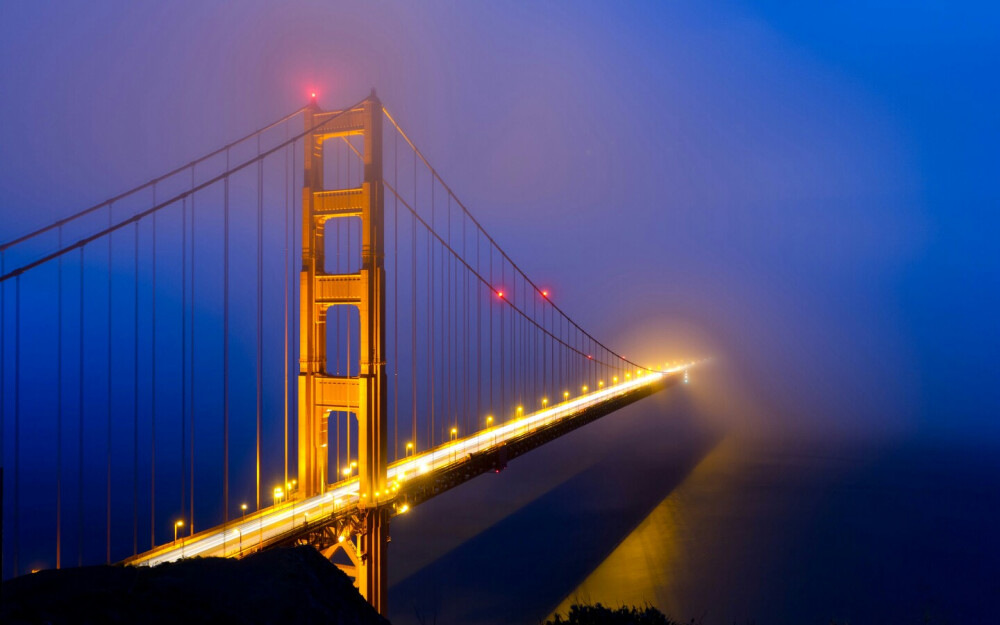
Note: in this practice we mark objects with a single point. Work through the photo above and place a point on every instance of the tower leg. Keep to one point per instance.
(373, 578)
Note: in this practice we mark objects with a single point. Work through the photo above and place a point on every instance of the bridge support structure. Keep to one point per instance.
(364, 396)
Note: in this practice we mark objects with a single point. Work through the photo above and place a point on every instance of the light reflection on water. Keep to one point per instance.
(800, 532)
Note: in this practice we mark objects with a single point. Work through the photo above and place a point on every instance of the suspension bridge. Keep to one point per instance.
(286, 341)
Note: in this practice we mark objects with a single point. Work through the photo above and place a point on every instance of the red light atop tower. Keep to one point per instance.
(312, 95)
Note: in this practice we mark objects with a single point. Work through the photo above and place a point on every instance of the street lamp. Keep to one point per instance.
(520, 411)
(614, 379)
(243, 508)
(177, 525)
(277, 494)
(454, 433)
(565, 395)
(584, 388)
(489, 420)
(600, 384)
(409, 449)
(545, 402)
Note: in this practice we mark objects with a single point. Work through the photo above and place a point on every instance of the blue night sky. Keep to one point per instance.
(807, 194)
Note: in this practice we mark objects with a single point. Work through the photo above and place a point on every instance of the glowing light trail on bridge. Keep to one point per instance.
(248, 535)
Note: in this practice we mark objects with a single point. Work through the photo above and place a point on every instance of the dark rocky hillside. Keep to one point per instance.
(295, 585)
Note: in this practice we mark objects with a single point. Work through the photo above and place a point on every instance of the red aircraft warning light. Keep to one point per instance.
(545, 293)
(500, 294)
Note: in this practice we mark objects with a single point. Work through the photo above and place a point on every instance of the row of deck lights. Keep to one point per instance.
(519, 412)
(410, 449)
(280, 493)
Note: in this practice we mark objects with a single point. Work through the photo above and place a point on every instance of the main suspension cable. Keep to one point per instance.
(157, 207)
(469, 214)
(146, 185)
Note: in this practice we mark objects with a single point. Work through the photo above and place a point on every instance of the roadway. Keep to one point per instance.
(256, 530)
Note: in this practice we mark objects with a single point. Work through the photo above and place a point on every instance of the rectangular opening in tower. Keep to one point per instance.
(342, 245)
(343, 167)
(343, 333)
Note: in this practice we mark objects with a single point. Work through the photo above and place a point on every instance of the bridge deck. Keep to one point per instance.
(413, 479)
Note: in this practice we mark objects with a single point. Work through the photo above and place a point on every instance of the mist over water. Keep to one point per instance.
(806, 195)
(658, 504)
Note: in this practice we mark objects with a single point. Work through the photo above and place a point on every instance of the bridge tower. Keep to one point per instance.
(363, 396)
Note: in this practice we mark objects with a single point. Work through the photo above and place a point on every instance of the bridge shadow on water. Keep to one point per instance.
(518, 565)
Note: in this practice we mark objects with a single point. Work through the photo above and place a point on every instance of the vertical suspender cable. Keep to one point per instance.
(59, 406)
(17, 423)
(135, 398)
(453, 336)
(517, 345)
(294, 291)
(503, 344)
(191, 373)
(479, 338)
(532, 355)
(395, 300)
(430, 315)
(3, 386)
(348, 361)
(466, 332)
(413, 310)
(285, 315)
(336, 309)
(562, 353)
(517, 362)
(152, 383)
(107, 554)
(347, 353)
(491, 294)
(225, 345)
(183, 411)
(260, 308)
(79, 472)
(446, 327)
